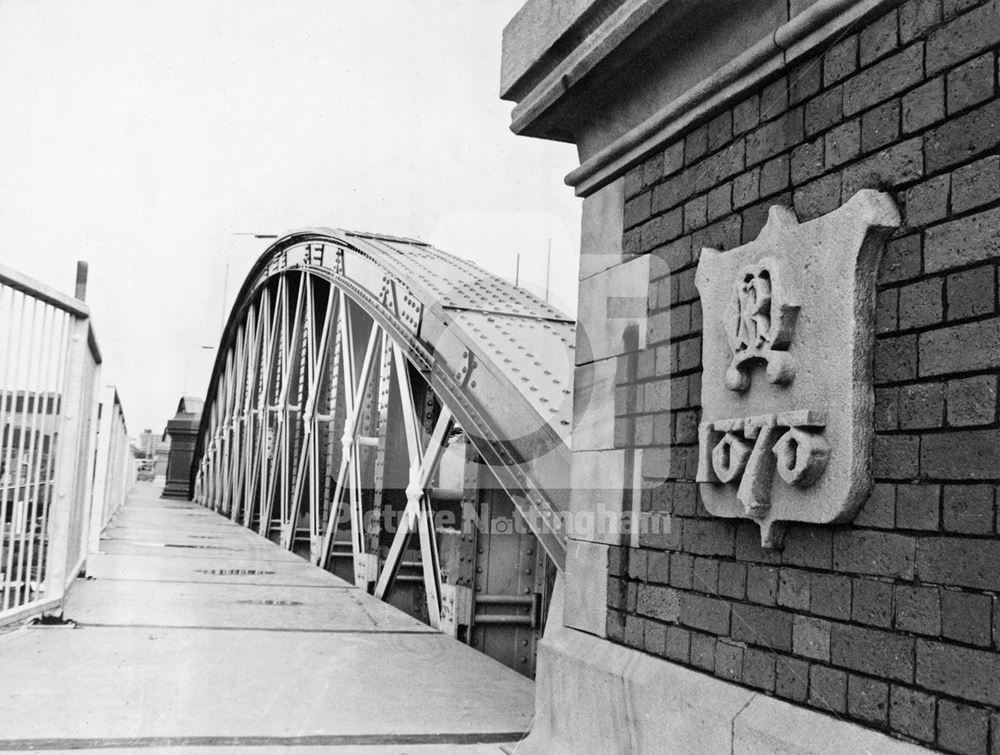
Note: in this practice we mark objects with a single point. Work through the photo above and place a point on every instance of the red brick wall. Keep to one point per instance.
(892, 621)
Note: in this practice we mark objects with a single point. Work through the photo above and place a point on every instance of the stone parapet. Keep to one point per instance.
(885, 613)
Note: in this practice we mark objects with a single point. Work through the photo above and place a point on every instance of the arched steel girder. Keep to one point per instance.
(498, 359)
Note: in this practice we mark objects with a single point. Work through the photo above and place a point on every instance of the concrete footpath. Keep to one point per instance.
(192, 634)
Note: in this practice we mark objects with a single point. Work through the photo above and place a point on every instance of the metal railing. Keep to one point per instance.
(49, 407)
(116, 468)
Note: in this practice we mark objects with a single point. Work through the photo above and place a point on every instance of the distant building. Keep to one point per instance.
(153, 451)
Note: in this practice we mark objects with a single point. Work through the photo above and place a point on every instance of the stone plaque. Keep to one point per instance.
(787, 401)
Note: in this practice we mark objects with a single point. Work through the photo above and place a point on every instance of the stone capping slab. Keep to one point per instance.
(791, 41)
(600, 43)
(595, 696)
(539, 26)
(774, 726)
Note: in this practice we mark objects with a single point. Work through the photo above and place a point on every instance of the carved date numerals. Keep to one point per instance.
(750, 450)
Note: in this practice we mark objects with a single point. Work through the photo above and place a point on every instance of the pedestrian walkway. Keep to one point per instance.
(193, 634)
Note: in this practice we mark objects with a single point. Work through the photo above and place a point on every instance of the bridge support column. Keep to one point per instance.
(183, 432)
(692, 632)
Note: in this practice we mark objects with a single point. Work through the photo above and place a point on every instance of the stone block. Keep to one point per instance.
(872, 651)
(595, 696)
(900, 163)
(917, 609)
(880, 126)
(885, 79)
(917, 17)
(830, 595)
(965, 617)
(601, 227)
(901, 260)
(872, 602)
(976, 184)
(918, 507)
(971, 293)
(827, 688)
(704, 612)
(973, 346)
(867, 699)
(778, 336)
(601, 496)
(961, 672)
(959, 562)
(972, 401)
(923, 106)
(811, 638)
(921, 304)
(840, 61)
(586, 585)
(970, 83)
(843, 143)
(912, 713)
(818, 197)
(595, 405)
(926, 202)
(759, 669)
(962, 728)
(968, 455)
(963, 37)
(615, 320)
(824, 110)
(975, 133)
(884, 554)
(762, 626)
(878, 38)
(968, 509)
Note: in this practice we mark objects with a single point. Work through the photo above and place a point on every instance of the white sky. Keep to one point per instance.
(140, 136)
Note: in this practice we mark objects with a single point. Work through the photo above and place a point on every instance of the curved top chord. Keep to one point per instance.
(497, 356)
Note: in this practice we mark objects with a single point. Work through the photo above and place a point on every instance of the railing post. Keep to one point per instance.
(84, 497)
(106, 438)
(72, 416)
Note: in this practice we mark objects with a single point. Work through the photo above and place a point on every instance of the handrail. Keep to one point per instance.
(45, 293)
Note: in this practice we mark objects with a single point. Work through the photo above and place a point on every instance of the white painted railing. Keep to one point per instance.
(116, 468)
(49, 377)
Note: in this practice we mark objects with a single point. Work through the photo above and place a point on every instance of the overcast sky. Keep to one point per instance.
(140, 136)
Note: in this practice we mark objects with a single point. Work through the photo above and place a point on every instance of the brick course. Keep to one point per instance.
(892, 621)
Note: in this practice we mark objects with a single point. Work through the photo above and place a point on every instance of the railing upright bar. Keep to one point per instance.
(9, 491)
(24, 513)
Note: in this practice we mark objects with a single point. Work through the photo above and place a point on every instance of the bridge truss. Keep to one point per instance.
(401, 417)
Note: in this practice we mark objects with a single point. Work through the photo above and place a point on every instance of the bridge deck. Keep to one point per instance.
(193, 633)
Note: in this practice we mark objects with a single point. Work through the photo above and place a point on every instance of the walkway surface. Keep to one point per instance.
(193, 634)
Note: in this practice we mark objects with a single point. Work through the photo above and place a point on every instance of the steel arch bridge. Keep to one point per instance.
(401, 417)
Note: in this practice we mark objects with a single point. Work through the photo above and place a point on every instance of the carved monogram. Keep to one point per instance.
(761, 320)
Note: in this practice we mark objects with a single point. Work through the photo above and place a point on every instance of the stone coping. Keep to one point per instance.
(790, 42)
(596, 696)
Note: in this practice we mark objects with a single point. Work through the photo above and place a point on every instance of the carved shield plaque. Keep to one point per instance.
(787, 400)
